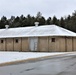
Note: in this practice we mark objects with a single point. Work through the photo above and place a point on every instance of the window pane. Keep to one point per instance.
(53, 39)
(1, 41)
(16, 40)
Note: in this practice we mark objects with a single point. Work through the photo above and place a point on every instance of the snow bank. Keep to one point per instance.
(16, 56)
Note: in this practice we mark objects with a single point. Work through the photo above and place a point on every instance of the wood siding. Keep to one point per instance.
(43, 44)
(69, 44)
(9, 44)
(25, 44)
(18, 46)
(2, 45)
(58, 45)
(62, 44)
(51, 44)
(74, 44)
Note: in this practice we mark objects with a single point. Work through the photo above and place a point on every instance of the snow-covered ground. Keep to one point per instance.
(16, 56)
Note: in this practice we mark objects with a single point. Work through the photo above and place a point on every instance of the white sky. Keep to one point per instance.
(48, 8)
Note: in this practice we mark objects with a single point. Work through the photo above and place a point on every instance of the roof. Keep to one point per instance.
(46, 30)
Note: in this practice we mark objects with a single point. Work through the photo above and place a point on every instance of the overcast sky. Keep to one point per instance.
(48, 8)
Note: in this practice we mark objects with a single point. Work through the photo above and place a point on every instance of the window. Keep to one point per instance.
(1, 41)
(53, 39)
(16, 40)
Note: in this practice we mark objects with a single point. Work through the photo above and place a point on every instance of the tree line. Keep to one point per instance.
(68, 22)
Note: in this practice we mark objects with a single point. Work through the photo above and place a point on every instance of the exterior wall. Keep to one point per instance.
(2, 45)
(74, 44)
(69, 44)
(25, 44)
(43, 44)
(62, 44)
(58, 45)
(51, 45)
(18, 46)
(9, 44)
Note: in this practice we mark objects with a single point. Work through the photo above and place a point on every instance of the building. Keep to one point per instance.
(47, 38)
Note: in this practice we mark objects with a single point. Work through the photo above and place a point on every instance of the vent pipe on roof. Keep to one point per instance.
(36, 24)
(6, 26)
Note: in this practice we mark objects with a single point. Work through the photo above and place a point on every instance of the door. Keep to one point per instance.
(33, 43)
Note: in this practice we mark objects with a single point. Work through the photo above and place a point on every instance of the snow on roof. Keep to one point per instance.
(46, 30)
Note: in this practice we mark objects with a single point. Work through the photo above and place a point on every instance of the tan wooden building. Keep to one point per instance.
(47, 38)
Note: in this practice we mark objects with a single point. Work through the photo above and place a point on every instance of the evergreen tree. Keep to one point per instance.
(42, 21)
(62, 22)
(55, 21)
(16, 22)
(3, 22)
(10, 21)
(38, 16)
(48, 21)
(69, 22)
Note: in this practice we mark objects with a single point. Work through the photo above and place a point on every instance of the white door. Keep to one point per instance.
(33, 42)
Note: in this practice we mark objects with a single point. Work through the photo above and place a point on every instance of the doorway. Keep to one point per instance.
(33, 43)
